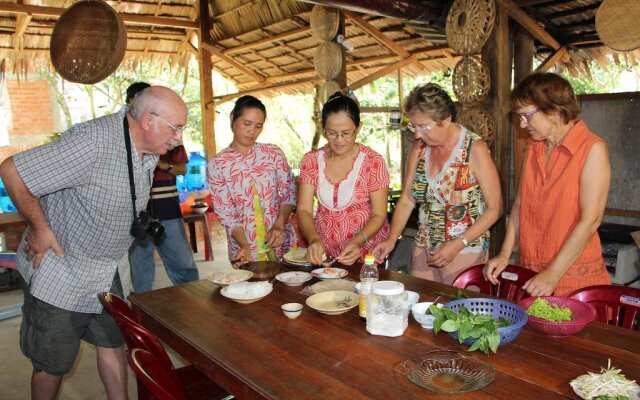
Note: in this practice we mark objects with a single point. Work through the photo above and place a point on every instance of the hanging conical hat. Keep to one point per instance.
(88, 42)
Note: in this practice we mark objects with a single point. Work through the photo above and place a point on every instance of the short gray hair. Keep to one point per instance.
(146, 101)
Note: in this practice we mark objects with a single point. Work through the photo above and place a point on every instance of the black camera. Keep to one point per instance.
(147, 224)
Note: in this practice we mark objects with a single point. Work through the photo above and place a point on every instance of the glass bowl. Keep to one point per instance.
(448, 372)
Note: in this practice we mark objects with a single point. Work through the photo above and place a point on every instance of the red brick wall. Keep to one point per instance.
(32, 115)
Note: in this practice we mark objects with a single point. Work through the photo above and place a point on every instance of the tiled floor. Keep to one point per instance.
(83, 383)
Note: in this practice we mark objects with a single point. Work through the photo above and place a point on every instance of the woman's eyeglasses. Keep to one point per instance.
(420, 130)
(174, 129)
(343, 135)
(526, 117)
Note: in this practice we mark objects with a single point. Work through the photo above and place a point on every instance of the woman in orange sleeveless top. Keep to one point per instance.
(562, 194)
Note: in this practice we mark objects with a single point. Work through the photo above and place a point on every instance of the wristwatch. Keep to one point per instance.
(169, 167)
(464, 241)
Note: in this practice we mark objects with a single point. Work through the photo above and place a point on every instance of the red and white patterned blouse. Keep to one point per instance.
(345, 207)
(230, 175)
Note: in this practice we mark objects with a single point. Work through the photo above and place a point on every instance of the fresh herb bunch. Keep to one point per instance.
(481, 328)
(460, 294)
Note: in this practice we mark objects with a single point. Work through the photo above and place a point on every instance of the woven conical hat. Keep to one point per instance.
(88, 42)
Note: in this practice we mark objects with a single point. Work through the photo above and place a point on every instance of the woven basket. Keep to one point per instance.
(328, 60)
(617, 24)
(328, 89)
(469, 24)
(88, 42)
(471, 80)
(478, 121)
(324, 22)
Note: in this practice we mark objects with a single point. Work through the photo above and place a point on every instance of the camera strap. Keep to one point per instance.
(132, 187)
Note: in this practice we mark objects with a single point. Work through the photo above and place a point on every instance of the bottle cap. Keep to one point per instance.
(369, 259)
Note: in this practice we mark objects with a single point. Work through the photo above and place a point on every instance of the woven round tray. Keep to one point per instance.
(324, 22)
(469, 24)
(328, 60)
(327, 90)
(471, 80)
(88, 42)
(617, 24)
(478, 121)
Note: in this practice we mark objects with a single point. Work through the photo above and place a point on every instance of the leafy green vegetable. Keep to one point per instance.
(551, 312)
(460, 294)
(483, 329)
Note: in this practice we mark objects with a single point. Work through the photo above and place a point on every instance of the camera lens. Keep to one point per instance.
(155, 229)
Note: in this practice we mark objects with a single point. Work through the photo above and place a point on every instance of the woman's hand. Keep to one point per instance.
(243, 256)
(381, 250)
(494, 267)
(315, 251)
(543, 284)
(442, 255)
(350, 253)
(275, 237)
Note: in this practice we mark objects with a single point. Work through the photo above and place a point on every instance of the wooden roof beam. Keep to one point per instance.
(380, 73)
(552, 59)
(379, 37)
(282, 36)
(530, 24)
(22, 21)
(214, 51)
(261, 88)
(127, 18)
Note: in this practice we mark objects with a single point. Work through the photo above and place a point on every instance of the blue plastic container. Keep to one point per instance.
(6, 205)
(497, 309)
(181, 186)
(195, 179)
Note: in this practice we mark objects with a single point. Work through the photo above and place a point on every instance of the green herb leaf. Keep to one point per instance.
(450, 325)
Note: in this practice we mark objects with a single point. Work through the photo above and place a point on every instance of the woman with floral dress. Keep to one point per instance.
(252, 188)
(350, 181)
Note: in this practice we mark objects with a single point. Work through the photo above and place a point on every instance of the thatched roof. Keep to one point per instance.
(269, 43)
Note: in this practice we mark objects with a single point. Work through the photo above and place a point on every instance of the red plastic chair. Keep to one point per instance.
(611, 307)
(509, 286)
(152, 372)
(195, 384)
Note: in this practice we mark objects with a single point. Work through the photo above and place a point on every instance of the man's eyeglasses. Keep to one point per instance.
(420, 130)
(526, 117)
(344, 135)
(174, 129)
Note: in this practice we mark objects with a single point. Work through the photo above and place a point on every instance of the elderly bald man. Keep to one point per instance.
(77, 196)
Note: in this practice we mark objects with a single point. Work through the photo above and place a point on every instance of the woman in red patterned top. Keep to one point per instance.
(350, 181)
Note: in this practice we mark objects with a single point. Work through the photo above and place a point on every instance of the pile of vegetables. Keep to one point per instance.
(482, 328)
(541, 308)
(609, 384)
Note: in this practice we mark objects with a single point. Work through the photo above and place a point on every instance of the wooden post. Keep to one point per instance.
(497, 54)
(522, 66)
(206, 84)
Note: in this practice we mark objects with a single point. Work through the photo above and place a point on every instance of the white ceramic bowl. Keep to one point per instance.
(200, 210)
(413, 297)
(333, 302)
(247, 298)
(291, 310)
(294, 278)
(419, 312)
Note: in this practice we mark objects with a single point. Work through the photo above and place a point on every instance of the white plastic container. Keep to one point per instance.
(387, 309)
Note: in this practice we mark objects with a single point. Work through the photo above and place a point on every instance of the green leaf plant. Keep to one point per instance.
(482, 329)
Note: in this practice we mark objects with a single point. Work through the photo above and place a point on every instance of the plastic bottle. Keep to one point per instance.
(368, 276)
(182, 188)
(195, 178)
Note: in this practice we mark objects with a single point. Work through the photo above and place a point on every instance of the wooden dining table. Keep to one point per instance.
(254, 352)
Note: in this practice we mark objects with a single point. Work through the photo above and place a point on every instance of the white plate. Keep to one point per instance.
(333, 302)
(245, 299)
(297, 257)
(229, 276)
(329, 273)
(294, 278)
(332, 284)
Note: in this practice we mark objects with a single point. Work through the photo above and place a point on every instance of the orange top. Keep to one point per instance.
(550, 209)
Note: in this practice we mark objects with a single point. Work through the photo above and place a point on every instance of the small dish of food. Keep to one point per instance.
(329, 273)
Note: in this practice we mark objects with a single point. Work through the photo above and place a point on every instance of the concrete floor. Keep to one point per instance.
(83, 383)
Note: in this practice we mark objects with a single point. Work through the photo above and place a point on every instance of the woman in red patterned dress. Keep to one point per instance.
(350, 181)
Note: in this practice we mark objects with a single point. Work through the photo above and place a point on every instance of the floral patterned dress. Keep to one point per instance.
(345, 207)
(231, 175)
